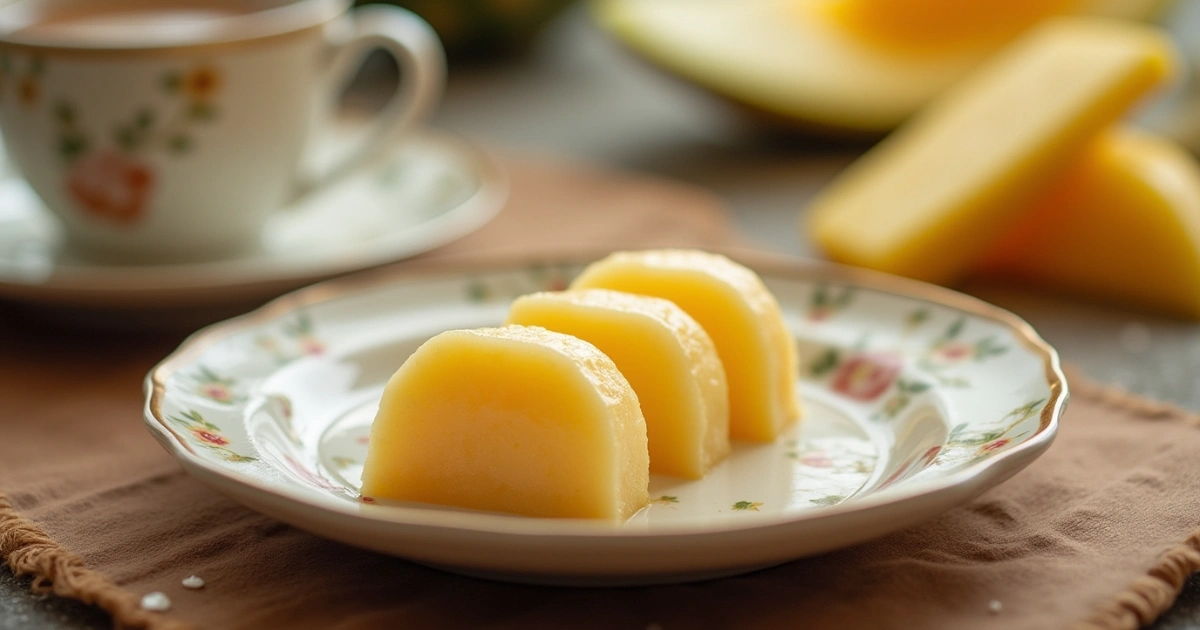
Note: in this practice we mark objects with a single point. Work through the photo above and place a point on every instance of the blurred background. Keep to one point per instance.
(583, 80)
(545, 75)
(560, 83)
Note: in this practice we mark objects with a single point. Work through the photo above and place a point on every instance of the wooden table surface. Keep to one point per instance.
(577, 94)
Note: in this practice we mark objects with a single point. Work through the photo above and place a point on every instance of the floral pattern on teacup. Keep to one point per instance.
(116, 183)
(111, 186)
(27, 78)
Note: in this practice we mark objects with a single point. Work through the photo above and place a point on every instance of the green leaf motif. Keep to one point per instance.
(126, 138)
(747, 505)
(820, 295)
(988, 347)
(172, 81)
(477, 291)
(917, 317)
(825, 297)
(179, 144)
(829, 499)
(206, 375)
(666, 498)
(64, 113)
(72, 146)
(1025, 411)
(202, 111)
(302, 326)
(956, 328)
(826, 363)
(144, 120)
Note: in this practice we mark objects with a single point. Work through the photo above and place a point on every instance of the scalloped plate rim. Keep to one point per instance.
(947, 490)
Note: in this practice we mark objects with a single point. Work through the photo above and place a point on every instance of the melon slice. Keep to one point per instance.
(927, 200)
(669, 360)
(802, 63)
(736, 310)
(514, 419)
(933, 26)
(1122, 225)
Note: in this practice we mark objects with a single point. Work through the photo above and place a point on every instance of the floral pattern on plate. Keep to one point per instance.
(899, 391)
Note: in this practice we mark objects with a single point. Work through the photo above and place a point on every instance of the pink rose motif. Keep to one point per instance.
(819, 313)
(816, 460)
(926, 458)
(866, 376)
(285, 406)
(210, 437)
(216, 391)
(899, 472)
(111, 186)
(993, 446)
(954, 352)
(311, 346)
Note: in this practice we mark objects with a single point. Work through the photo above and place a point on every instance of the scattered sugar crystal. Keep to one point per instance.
(156, 602)
(193, 581)
(994, 607)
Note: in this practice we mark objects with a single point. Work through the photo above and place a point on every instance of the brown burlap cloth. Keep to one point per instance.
(1098, 533)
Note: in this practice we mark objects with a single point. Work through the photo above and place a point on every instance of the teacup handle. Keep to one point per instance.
(422, 63)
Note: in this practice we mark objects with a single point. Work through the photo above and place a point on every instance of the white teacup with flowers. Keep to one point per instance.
(169, 130)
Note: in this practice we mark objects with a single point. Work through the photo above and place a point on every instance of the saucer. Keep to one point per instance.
(431, 190)
(916, 399)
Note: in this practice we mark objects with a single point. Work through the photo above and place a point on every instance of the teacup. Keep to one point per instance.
(169, 130)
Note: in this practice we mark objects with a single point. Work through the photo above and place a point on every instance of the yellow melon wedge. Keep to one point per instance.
(738, 313)
(933, 26)
(927, 200)
(513, 419)
(800, 62)
(1123, 225)
(669, 360)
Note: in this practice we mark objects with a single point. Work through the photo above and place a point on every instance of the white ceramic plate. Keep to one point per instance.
(430, 190)
(917, 399)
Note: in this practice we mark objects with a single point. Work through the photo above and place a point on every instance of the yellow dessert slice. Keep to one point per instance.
(738, 313)
(927, 200)
(827, 64)
(669, 360)
(514, 419)
(1123, 224)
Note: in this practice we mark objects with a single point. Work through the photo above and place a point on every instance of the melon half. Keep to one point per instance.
(669, 360)
(736, 310)
(513, 419)
(1123, 225)
(860, 66)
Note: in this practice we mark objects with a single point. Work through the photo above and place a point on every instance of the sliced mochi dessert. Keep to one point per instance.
(514, 419)
(669, 360)
(736, 310)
